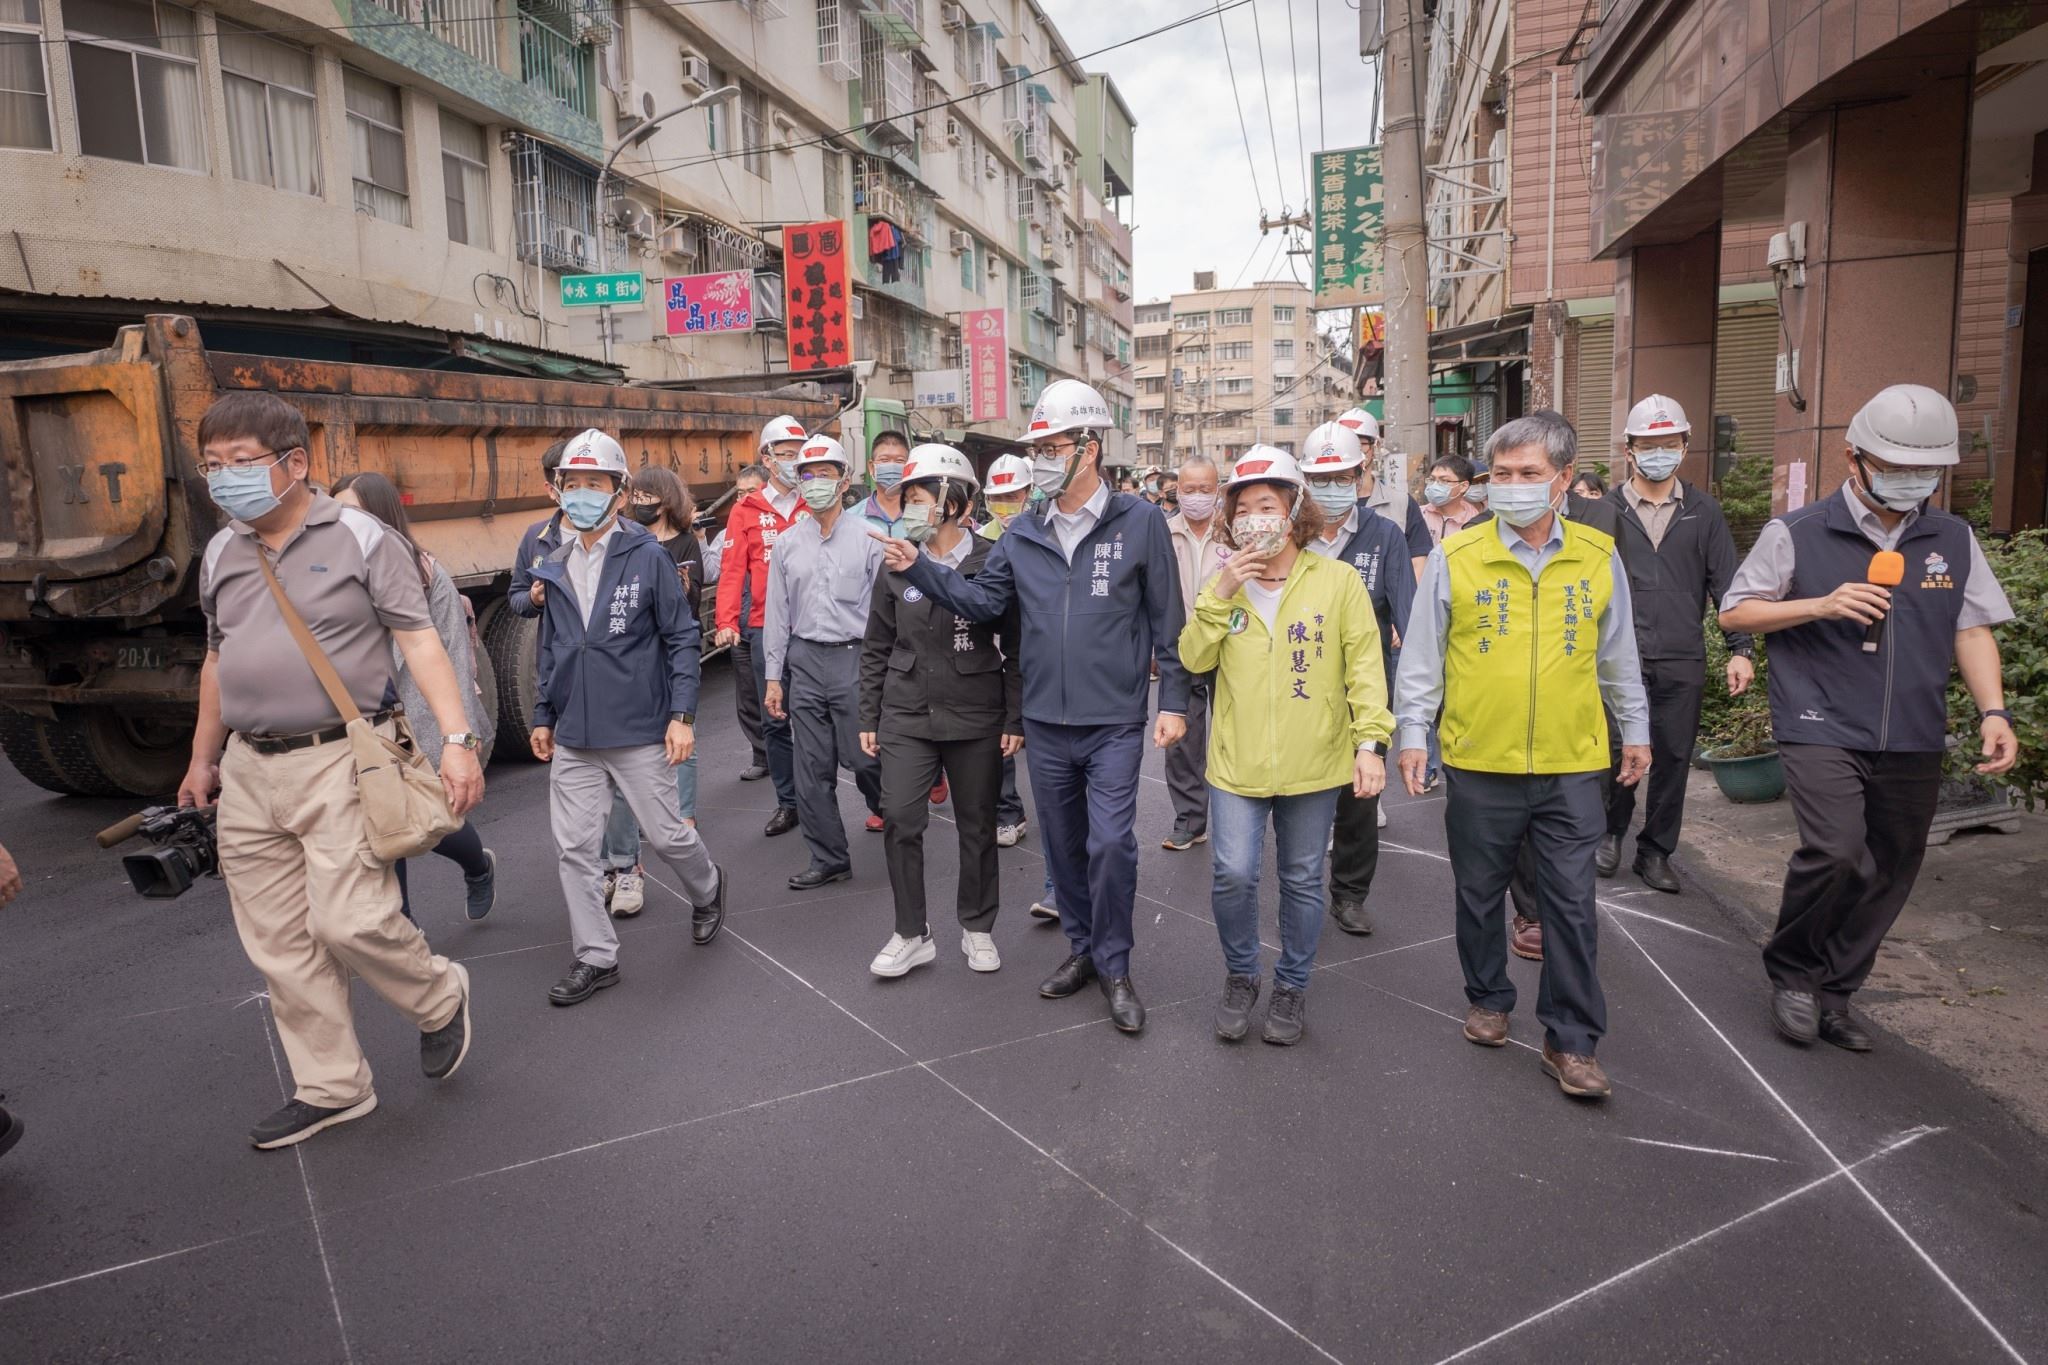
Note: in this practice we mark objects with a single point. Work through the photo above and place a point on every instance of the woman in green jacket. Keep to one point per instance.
(1300, 711)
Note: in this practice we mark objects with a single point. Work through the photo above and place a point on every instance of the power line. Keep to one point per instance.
(1272, 137)
(1251, 163)
(1300, 130)
(1322, 120)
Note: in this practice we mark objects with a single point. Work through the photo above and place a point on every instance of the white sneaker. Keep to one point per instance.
(1009, 836)
(900, 954)
(629, 894)
(981, 951)
(1383, 814)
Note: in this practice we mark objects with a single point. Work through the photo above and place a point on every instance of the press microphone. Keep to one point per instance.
(1887, 570)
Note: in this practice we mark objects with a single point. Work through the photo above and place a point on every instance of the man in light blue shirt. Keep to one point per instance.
(820, 582)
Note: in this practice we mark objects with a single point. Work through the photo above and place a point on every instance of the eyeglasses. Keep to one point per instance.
(246, 462)
(1050, 450)
(1331, 480)
(818, 476)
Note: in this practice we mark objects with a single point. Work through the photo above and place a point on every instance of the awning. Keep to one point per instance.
(521, 360)
(1505, 335)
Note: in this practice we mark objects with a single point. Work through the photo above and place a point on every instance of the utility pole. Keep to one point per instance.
(1406, 385)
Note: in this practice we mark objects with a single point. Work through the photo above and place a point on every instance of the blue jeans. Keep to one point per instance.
(1301, 833)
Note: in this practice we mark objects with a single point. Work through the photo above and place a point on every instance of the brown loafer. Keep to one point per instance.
(1527, 940)
(1488, 1028)
(1577, 1076)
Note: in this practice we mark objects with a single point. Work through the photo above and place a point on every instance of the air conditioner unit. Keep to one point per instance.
(635, 106)
(961, 241)
(768, 300)
(952, 17)
(573, 246)
(990, 169)
(676, 241)
(857, 309)
(953, 132)
(995, 267)
(981, 85)
(696, 76)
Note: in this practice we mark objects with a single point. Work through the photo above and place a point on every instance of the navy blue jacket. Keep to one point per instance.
(619, 681)
(542, 539)
(1378, 549)
(1086, 654)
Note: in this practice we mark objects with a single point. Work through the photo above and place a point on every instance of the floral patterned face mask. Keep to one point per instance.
(1260, 535)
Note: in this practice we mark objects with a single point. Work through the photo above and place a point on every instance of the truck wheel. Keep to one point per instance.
(487, 688)
(509, 639)
(97, 751)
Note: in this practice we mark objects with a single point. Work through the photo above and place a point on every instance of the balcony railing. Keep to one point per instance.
(468, 25)
(552, 61)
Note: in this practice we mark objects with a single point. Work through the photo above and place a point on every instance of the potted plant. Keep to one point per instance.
(1741, 754)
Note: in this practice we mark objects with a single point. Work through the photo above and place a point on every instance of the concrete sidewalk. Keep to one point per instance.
(1964, 974)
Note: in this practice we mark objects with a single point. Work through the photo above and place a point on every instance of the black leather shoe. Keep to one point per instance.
(1656, 871)
(1234, 1014)
(1070, 976)
(811, 878)
(1796, 1013)
(706, 919)
(1350, 916)
(1126, 1011)
(582, 982)
(782, 822)
(1608, 859)
(1837, 1027)
(753, 772)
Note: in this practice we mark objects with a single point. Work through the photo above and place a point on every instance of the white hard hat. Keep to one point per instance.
(1332, 448)
(1364, 423)
(940, 463)
(1265, 464)
(1906, 424)
(821, 449)
(1008, 477)
(594, 451)
(782, 429)
(1657, 416)
(1067, 405)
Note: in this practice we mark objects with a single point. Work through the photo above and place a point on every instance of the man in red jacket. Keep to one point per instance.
(757, 520)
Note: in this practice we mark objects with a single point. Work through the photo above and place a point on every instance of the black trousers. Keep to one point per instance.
(910, 768)
(746, 699)
(1187, 763)
(1863, 820)
(1528, 869)
(1675, 687)
(1489, 817)
(464, 847)
(1355, 846)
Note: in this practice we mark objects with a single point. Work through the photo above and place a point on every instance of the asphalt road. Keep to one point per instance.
(758, 1152)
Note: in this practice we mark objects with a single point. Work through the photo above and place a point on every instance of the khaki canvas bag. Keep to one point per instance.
(405, 810)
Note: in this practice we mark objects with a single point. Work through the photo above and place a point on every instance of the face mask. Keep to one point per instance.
(785, 470)
(1004, 511)
(1199, 506)
(819, 495)
(1658, 465)
(586, 508)
(645, 513)
(244, 493)
(1048, 475)
(1336, 501)
(1260, 535)
(917, 523)
(1521, 504)
(1902, 489)
(887, 476)
(1478, 494)
(1437, 492)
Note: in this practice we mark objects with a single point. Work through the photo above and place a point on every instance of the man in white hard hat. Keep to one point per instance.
(1385, 495)
(1680, 556)
(820, 583)
(1093, 576)
(758, 520)
(1859, 685)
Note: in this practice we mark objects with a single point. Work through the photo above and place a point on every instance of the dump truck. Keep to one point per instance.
(104, 515)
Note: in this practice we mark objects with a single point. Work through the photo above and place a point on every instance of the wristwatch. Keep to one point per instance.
(686, 717)
(1998, 711)
(464, 738)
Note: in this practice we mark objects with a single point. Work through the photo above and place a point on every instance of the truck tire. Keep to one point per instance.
(487, 689)
(509, 640)
(97, 751)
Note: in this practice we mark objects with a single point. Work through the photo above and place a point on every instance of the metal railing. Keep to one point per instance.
(469, 26)
(553, 62)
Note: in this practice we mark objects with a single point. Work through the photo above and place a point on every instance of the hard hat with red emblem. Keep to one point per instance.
(822, 449)
(1362, 422)
(940, 464)
(782, 429)
(1067, 405)
(594, 452)
(1265, 464)
(1907, 424)
(1009, 477)
(1657, 416)
(1332, 448)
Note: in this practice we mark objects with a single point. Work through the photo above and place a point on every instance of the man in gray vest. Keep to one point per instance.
(1859, 694)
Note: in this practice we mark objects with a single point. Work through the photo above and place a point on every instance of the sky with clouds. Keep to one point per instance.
(1198, 198)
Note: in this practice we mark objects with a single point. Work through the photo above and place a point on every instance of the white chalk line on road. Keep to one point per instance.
(1903, 1140)
(1604, 902)
(1704, 1151)
(348, 1354)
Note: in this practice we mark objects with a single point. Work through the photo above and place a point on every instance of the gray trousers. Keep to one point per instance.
(580, 783)
(1187, 764)
(821, 695)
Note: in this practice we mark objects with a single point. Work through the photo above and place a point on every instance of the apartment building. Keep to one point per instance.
(412, 180)
(1219, 370)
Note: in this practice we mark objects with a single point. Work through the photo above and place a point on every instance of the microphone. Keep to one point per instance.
(1887, 570)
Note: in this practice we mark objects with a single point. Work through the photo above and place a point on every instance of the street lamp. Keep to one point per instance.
(634, 139)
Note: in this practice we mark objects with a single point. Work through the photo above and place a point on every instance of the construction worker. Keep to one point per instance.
(883, 508)
(1198, 551)
(1006, 494)
(1386, 495)
(758, 520)
(1086, 642)
(819, 587)
(1859, 688)
(1335, 472)
(1680, 556)
(939, 695)
(1527, 595)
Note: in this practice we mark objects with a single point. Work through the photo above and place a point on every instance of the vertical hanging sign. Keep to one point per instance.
(814, 273)
(1350, 205)
(984, 333)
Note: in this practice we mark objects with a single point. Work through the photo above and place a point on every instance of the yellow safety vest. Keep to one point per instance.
(1521, 680)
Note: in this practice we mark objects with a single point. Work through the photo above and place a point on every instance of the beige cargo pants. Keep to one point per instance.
(312, 906)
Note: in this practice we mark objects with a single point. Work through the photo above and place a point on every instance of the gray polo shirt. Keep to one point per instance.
(349, 577)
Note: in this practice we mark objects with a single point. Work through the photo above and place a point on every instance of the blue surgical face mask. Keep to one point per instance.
(917, 523)
(1478, 494)
(243, 492)
(888, 475)
(1522, 504)
(586, 508)
(1658, 465)
(1437, 492)
(1336, 500)
(1901, 489)
(785, 470)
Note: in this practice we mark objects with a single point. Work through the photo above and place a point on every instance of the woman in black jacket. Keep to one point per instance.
(938, 696)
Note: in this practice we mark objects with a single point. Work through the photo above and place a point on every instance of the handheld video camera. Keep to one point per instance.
(185, 849)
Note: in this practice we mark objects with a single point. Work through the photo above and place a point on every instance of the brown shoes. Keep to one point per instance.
(1488, 1028)
(1577, 1076)
(1527, 939)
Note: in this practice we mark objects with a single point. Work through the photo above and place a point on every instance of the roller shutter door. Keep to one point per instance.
(1593, 411)
(1745, 373)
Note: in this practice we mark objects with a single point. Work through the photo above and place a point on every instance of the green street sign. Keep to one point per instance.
(1349, 201)
(597, 291)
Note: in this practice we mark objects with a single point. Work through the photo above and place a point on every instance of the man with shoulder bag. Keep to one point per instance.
(295, 587)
